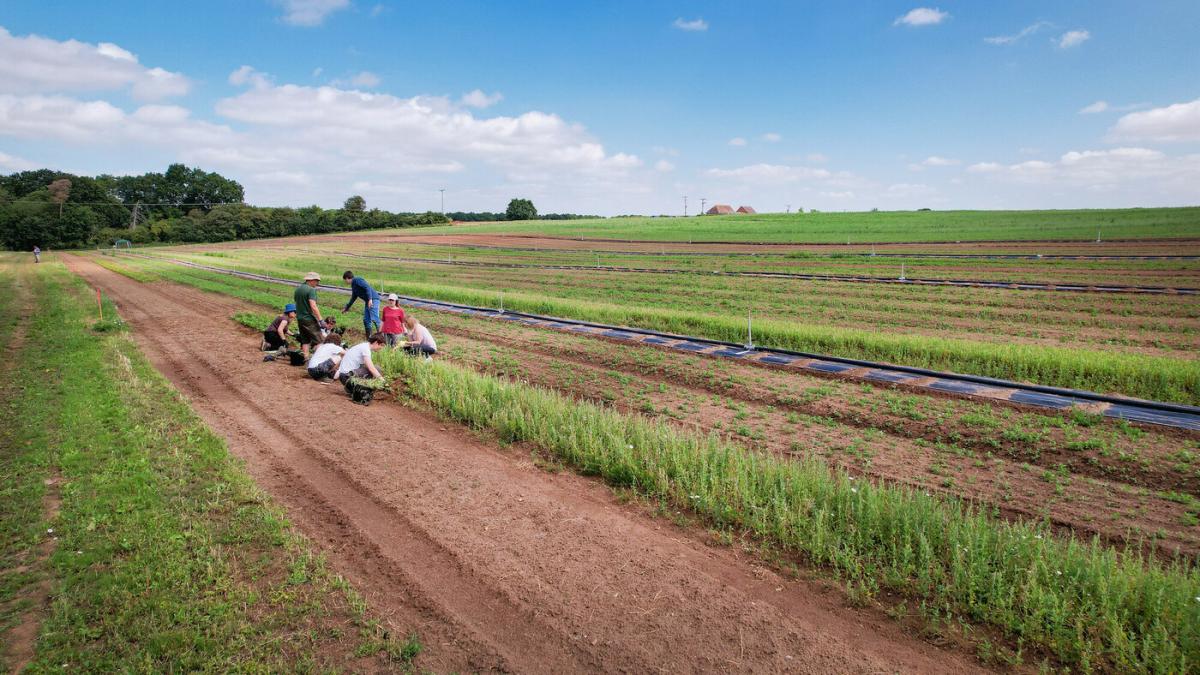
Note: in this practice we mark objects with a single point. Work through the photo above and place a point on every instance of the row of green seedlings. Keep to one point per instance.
(1133, 375)
(1130, 374)
(1087, 604)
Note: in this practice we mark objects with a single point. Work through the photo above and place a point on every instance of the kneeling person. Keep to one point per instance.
(420, 341)
(326, 358)
(357, 360)
(276, 336)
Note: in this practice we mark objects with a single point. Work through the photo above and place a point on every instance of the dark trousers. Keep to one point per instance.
(360, 371)
(420, 350)
(273, 339)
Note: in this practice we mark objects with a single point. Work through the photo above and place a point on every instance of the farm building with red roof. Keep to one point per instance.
(746, 209)
(720, 210)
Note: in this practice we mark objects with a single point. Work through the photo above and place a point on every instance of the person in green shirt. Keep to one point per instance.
(308, 316)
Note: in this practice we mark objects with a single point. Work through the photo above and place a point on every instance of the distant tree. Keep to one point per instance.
(355, 204)
(60, 190)
(520, 209)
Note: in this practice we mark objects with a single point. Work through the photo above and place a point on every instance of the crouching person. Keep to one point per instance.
(326, 358)
(420, 341)
(275, 336)
(357, 360)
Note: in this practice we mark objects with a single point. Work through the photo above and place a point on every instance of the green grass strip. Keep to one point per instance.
(169, 558)
(1087, 604)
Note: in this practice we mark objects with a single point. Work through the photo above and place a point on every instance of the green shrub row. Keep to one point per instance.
(1089, 605)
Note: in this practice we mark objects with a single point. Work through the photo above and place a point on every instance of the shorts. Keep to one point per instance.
(310, 332)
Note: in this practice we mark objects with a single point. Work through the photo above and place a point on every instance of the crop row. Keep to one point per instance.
(931, 226)
(1133, 375)
(1087, 604)
(1144, 273)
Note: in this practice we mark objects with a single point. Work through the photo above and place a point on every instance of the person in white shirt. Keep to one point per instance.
(419, 339)
(326, 358)
(357, 360)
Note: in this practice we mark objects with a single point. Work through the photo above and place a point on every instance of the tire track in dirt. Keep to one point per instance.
(21, 640)
(502, 566)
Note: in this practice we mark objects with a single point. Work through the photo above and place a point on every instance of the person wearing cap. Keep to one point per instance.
(360, 289)
(393, 320)
(308, 315)
(275, 336)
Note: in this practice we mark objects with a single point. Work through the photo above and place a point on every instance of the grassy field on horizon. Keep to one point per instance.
(870, 226)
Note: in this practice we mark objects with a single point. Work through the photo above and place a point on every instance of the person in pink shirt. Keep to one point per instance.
(393, 320)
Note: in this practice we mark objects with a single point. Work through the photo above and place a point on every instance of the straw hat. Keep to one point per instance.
(312, 276)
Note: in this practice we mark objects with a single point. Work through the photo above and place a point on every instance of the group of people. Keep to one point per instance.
(321, 341)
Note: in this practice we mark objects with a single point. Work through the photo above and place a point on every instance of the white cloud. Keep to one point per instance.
(317, 71)
(817, 158)
(365, 79)
(738, 142)
(770, 173)
(247, 75)
(772, 137)
(378, 9)
(664, 150)
(1177, 123)
(663, 166)
(10, 163)
(309, 12)
(922, 16)
(694, 25)
(34, 64)
(1018, 36)
(477, 99)
(1073, 38)
(1129, 173)
(1092, 109)
(934, 160)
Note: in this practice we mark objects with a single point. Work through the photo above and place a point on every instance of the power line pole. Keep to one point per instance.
(443, 194)
(133, 217)
(789, 208)
(702, 201)
(685, 206)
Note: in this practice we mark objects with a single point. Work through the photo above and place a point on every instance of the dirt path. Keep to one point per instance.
(498, 565)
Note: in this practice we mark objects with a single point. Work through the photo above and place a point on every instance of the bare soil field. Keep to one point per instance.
(502, 566)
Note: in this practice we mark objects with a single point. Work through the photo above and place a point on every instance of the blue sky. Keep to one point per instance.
(618, 107)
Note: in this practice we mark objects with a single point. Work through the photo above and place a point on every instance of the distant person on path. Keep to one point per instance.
(326, 358)
(359, 288)
(276, 336)
(357, 360)
(420, 342)
(37, 255)
(393, 320)
(307, 313)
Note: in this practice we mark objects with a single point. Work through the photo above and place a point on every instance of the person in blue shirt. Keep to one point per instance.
(360, 289)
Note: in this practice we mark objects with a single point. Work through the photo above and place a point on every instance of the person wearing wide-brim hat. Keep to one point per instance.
(275, 336)
(308, 315)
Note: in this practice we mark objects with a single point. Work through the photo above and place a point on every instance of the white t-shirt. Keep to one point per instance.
(323, 353)
(420, 335)
(355, 357)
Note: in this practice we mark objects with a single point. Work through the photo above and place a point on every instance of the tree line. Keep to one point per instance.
(54, 209)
